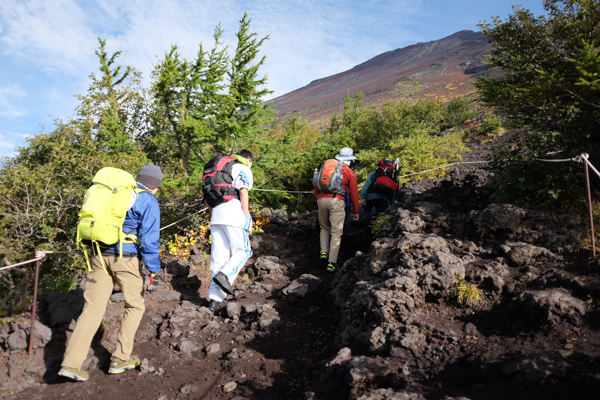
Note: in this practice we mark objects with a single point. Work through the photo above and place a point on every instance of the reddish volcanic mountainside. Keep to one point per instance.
(443, 68)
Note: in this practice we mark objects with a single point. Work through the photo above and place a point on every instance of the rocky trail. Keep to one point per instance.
(387, 325)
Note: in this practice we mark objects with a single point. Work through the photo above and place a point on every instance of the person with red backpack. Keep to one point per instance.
(225, 185)
(379, 189)
(333, 183)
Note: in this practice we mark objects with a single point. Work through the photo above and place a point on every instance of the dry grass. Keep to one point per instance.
(592, 302)
(467, 294)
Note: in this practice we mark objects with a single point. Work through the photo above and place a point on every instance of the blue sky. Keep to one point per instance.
(47, 46)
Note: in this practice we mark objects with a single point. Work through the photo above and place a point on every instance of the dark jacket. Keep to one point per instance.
(364, 193)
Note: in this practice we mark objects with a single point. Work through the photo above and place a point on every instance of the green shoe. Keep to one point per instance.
(74, 374)
(332, 267)
(117, 365)
(324, 258)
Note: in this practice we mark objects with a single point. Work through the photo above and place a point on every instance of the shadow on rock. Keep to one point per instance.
(505, 319)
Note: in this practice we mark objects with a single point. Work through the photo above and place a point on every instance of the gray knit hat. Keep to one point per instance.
(150, 176)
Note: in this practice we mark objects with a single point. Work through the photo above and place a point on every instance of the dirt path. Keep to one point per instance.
(275, 363)
(386, 326)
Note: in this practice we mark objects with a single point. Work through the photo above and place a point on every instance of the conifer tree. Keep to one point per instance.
(214, 103)
(245, 113)
(113, 108)
(189, 97)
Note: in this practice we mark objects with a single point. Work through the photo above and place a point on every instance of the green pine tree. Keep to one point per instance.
(189, 99)
(113, 108)
(245, 113)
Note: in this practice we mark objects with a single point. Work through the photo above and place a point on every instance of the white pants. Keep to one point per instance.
(230, 250)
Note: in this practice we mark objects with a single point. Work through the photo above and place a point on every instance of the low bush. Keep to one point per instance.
(456, 112)
(490, 126)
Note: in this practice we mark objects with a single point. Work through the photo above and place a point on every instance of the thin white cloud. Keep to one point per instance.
(47, 47)
(309, 39)
(8, 141)
(53, 35)
(7, 96)
(6, 145)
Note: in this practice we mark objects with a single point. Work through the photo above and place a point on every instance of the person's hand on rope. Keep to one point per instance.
(153, 283)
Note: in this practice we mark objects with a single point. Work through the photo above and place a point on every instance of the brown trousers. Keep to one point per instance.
(331, 220)
(98, 288)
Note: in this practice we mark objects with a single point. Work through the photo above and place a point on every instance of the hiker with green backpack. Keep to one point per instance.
(119, 227)
(334, 183)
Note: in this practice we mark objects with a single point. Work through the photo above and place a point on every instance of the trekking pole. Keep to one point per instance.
(34, 305)
(584, 158)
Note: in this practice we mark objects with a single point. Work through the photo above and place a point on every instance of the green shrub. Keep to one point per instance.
(490, 126)
(378, 222)
(457, 111)
(549, 66)
(287, 157)
(418, 151)
(63, 285)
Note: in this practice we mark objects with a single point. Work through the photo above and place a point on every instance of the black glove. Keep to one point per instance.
(153, 283)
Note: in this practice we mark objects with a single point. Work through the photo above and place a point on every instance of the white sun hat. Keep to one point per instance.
(346, 154)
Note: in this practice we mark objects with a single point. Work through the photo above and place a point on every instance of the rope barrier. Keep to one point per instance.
(591, 166)
(283, 191)
(558, 160)
(183, 219)
(403, 176)
(21, 263)
(40, 254)
(444, 166)
(580, 158)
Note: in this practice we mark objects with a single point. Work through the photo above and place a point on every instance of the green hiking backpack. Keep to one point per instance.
(102, 214)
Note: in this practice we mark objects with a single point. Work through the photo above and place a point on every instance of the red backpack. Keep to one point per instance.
(217, 182)
(386, 178)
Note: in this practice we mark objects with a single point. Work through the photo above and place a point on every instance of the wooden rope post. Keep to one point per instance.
(589, 201)
(34, 306)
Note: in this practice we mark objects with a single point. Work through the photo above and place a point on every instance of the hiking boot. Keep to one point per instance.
(117, 365)
(221, 280)
(213, 305)
(332, 267)
(324, 258)
(74, 374)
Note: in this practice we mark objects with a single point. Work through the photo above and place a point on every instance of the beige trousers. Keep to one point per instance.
(331, 220)
(98, 288)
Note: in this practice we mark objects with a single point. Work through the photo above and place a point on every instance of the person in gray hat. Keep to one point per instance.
(332, 211)
(150, 176)
(143, 221)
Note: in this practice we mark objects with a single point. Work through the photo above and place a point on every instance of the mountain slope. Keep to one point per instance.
(442, 68)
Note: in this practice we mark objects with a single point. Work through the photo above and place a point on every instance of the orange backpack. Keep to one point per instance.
(329, 177)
